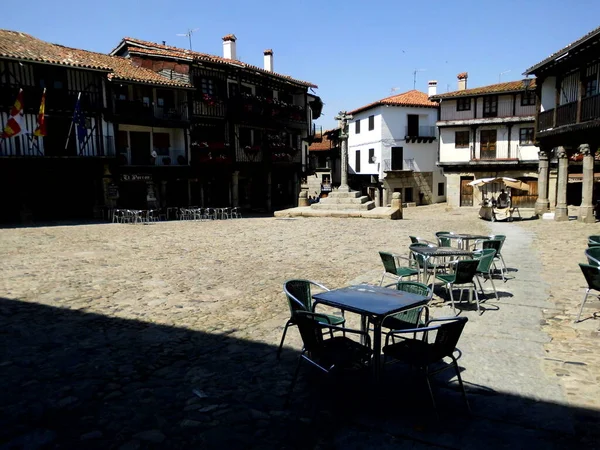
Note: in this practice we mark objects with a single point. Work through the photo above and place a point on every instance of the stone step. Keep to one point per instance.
(344, 206)
(338, 194)
(345, 200)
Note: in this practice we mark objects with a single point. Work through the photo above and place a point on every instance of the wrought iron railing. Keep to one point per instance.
(394, 164)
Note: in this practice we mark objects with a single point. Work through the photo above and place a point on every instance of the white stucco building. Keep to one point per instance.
(392, 148)
(488, 132)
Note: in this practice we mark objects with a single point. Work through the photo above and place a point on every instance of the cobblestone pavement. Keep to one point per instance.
(164, 335)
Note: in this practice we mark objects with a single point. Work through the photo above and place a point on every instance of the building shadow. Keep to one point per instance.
(78, 380)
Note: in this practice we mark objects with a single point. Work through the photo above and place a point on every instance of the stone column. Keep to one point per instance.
(384, 200)
(269, 202)
(541, 205)
(397, 206)
(377, 196)
(562, 212)
(586, 210)
(343, 118)
(235, 188)
(163, 194)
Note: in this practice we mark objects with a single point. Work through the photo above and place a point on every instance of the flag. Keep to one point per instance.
(79, 121)
(15, 124)
(41, 128)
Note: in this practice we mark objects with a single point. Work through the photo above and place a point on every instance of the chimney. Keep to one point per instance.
(432, 88)
(229, 47)
(462, 81)
(268, 65)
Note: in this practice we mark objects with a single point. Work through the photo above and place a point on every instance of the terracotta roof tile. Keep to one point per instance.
(411, 98)
(21, 46)
(507, 87)
(159, 50)
(563, 51)
(326, 141)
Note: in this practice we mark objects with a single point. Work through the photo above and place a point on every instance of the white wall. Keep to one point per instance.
(548, 94)
(448, 151)
(364, 141)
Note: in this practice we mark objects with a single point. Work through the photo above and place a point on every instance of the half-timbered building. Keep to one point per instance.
(488, 131)
(568, 128)
(250, 126)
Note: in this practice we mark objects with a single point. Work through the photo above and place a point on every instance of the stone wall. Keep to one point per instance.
(418, 181)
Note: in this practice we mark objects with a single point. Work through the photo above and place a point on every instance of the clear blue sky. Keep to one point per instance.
(355, 51)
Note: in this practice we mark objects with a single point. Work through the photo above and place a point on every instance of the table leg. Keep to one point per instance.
(376, 350)
(364, 327)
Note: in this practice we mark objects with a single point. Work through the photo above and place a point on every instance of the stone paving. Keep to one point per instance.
(164, 335)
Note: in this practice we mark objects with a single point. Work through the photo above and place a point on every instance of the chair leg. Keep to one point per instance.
(289, 396)
(476, 298)
(587, 292)
(282, 339)
(480, 285)
(494, 286)
(460, 382)
(431, 392)
(382, 277)
(449, 289)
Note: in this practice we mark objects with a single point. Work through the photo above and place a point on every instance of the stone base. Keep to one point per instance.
(542, 206)
(586, 214)
(344, 201)
(376, 213)
(561, 214)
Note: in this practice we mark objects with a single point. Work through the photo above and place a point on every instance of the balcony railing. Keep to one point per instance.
(175, 112)
(138, 110)
(209, 107)
(546, 120)
(590, 108)
(421, 130)
(211, 153)
(265, 109)
(394, 164)
(56, 99)
(566, 114)
(143, 157)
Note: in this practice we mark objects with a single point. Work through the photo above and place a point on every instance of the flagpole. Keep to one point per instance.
(71, 127)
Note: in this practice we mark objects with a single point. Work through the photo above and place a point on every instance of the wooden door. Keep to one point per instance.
(466, 192)
(488, 144)
(525, 199)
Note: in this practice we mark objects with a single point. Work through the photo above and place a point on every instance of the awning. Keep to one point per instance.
(509, 182)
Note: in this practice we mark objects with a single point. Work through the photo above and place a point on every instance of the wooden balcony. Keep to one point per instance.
(588, 108)
(138, 112)
(261, 111)
(208, 108)
(56, 99)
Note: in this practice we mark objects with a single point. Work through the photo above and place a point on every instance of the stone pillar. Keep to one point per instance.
(397, 205)
(303, 199)
(377, 196)
(541, 205)
(202, 193)
(343, 118)
(163, 194)
(552, 185)
(562, 212)
(384, 200)
(235, 197)
(586, 210)
(269, 202)
(189, 189)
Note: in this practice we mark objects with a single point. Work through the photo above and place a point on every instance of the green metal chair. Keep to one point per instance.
(444, 241)
(391, 268)
(594, 240)
(465, 272)
(593, 256)
(329, 355)
(432, 268)
(484, 268)
(424, 354)
(420, 240)
(298, 293)
(495, 244)
(412, 318)
(592, 277)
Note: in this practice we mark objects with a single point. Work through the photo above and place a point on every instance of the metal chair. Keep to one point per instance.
(422, 354)
(484, 268)
(298, 293)
(465, 272)
(420, 240)
(444, 241)
(390, 266)
(412, 318)
(594, 240)
(495, 244)
(592, 277)
(329, 355)
(593, 256)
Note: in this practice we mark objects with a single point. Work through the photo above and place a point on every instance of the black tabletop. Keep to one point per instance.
(439, 251)
(371, 300)
(464, 236)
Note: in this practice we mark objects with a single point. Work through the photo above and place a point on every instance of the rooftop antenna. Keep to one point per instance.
(415, 76)
(189, 34)
(500, 75)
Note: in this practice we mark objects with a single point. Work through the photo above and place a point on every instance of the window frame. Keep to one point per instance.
(371, 123)
(463, 104)
(524, 133)
(371, 155)
(490, 106)
(463, 145)
(357, 161)
(357, 126)
(441, 189)
(528, 100)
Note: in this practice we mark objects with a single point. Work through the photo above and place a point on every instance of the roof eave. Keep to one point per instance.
(73, 66)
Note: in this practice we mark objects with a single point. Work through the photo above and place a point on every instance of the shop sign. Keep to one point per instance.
(112, 191)
(136, 177)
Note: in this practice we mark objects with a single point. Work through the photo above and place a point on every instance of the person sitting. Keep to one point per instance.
(503, 199)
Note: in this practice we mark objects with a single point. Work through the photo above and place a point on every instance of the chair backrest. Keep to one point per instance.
(501, 238)
(414, 288)
(594, 240)
(310, 330)
(465, 270)
(593, 256)
(485, 258)
(414, 239)
(447, 336)
(592, 275)
(443, 241)
(298, 295)
(389, 262)
(418, 257)
(492, 243)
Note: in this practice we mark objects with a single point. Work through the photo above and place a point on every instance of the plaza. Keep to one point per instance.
(164, 335)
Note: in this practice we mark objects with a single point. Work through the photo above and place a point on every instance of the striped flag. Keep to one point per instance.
(15, 124)
(41, 128)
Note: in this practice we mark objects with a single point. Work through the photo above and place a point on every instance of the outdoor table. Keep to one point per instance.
(464, 238)
(434, 252)
(373, 303)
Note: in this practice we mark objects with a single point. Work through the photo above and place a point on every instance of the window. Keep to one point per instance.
(440, 189)
(207, 86)
(461, 139)
(357, 161)
(591, 86)
(490, 106)
(488, 144)
(371, 155)
(408, 195)
(357, 127)
(233, 90)
(463, 104)
(526, 136)
(371, 123)
(161, 143)
(245, 89)
(528, 98)
(245, 137)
